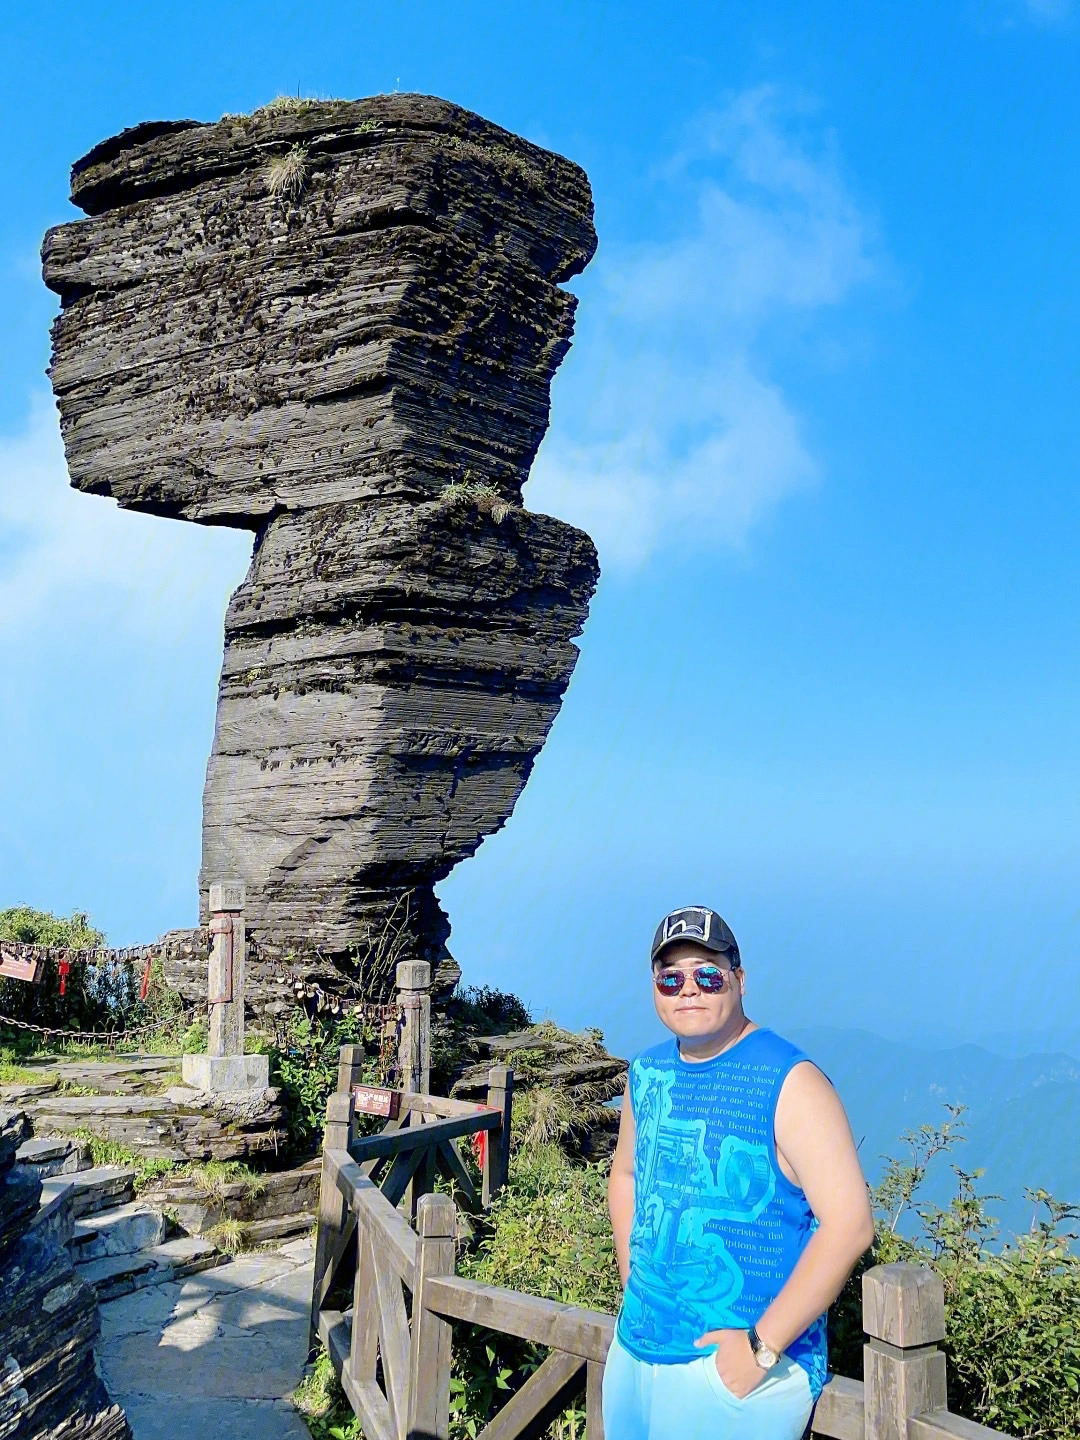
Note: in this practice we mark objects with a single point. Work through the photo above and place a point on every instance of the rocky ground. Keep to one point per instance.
(215, 1355)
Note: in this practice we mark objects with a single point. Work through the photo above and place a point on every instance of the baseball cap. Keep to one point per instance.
(699, 925)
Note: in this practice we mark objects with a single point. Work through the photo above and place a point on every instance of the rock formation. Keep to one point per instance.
(335, 324)
(48, 1320)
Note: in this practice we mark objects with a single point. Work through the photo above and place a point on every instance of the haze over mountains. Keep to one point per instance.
(1023, 1117)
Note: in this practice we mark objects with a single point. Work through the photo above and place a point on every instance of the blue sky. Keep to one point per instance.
(821, 418)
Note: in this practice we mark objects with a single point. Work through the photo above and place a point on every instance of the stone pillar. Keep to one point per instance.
(903, 1370)
(414, 1047)
(225, 1066)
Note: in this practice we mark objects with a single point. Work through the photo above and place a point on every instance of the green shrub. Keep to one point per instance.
(548, 1234)
(39, 927)
(1012, 1311)
(304, 1063)
(99, 997)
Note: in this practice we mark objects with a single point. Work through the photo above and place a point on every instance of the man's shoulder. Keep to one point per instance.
(778, 1047)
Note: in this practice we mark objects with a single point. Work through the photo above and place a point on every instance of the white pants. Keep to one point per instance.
(691, 1402)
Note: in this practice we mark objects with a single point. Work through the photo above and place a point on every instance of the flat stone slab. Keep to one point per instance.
(141, 1074)
(179, 1124)
(122, 1231)
(45, 1150)
(217, 1354)
(55, 1218)
(276, 1227)
(214, 1419)
(115, 1275)
(101, 1188)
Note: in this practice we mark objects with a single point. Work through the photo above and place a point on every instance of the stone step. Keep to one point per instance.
(55, 1219)
(116, 1275)
(50, 1155)
(124, 1230)
(101, 1188)
(272, 1195)
(276, 1227)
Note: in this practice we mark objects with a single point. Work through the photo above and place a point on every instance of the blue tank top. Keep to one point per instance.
(718, 1226)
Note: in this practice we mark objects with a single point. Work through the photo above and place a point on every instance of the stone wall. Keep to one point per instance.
(48, 1320)
(336, 325)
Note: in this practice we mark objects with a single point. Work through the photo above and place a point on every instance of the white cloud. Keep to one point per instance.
(687, 438)
(638, 493)
(67, 557)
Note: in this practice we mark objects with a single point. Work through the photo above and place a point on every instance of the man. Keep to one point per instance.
(738, 1208)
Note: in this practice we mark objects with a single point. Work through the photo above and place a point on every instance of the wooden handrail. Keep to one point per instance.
(570, 1328)
(395, 1232)
(379, 1147)
(839, 1410)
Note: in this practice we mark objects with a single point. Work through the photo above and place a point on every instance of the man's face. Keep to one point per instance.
(695, 1012)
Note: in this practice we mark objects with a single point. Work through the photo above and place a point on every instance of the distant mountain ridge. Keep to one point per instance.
(1023, 1113)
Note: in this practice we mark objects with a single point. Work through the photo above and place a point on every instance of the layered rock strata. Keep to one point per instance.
(133, 1104)
(49, 1320)
(336, 325)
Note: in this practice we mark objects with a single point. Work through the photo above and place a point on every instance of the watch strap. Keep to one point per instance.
(765, 1357)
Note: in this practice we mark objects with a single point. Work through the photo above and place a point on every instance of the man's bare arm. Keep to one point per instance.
(621, 1187)
(814, 1139)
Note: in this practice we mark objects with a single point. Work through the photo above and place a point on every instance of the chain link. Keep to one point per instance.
(109, 1035)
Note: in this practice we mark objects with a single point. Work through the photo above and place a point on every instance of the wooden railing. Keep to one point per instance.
(393, 1359)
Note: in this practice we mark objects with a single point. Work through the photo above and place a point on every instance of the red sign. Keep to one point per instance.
(370, 1100)
(16, 969)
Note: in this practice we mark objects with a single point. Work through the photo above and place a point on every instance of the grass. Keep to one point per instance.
(11, 1073)
(286, 175)
(321, 1401)
(479, 493)
(110, 1152)
(229, 1236)
(212, 1178)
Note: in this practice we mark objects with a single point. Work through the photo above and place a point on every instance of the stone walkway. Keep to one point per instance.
(213, 1357)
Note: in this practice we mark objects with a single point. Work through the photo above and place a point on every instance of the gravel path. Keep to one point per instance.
(213, 1357)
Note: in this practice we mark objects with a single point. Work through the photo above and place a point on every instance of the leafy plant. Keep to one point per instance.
(1012, 1311)
(102, 993)
(304, 1061)
(39, 927)
(321, 1400)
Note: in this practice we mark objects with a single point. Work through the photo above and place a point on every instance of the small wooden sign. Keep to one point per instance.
(16, 969)
(371, 1100)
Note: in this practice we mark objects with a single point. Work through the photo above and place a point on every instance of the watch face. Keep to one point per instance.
(765, 1357)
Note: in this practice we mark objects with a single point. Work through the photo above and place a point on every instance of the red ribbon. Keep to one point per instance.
(65, 969)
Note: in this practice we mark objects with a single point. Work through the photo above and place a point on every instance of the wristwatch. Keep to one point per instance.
(765, 1357)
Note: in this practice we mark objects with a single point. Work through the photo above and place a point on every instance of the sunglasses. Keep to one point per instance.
(710, 979)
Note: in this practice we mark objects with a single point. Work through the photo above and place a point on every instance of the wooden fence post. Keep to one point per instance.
(903, 1370)
(414, 1047)
(428, 1416)
(333, 1209)
(350, 1068)
(500, 1096)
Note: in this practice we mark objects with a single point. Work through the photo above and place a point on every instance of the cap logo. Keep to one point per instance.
(687, 927)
